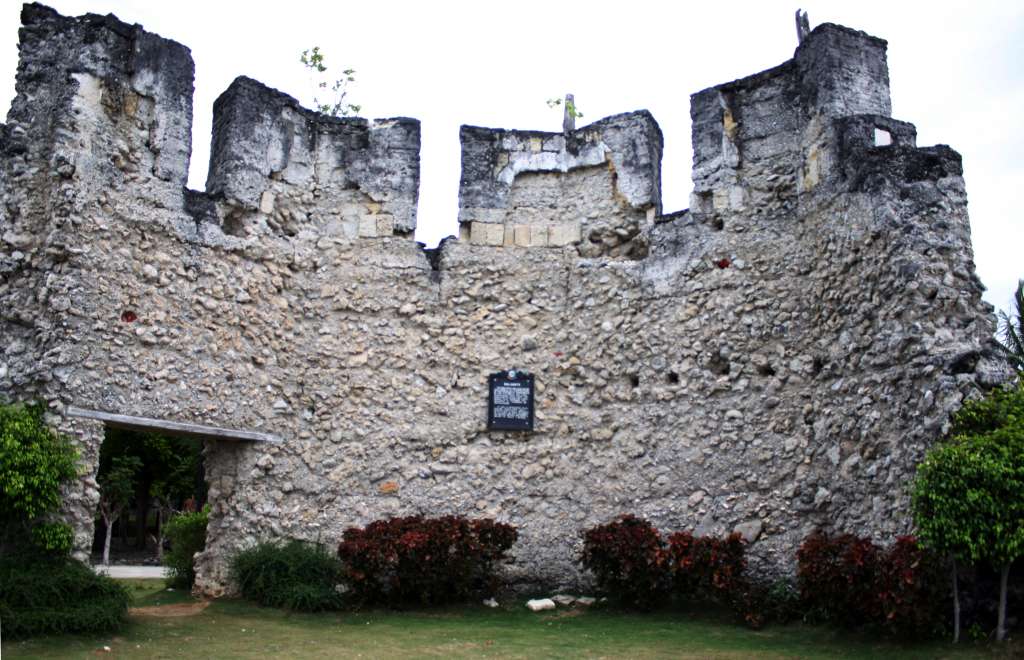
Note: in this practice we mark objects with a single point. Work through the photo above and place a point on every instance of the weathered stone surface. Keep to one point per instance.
(750, 530)
(781, 353)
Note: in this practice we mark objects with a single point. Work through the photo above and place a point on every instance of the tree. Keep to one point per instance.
(35, 463)
(968, 495)
(117, 487)
(175, 485)
(1011, 331)
(335, 104)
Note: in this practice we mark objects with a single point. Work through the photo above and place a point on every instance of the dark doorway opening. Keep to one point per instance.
(160, 475)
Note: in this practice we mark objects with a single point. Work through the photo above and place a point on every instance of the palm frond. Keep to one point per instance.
(1011, 331)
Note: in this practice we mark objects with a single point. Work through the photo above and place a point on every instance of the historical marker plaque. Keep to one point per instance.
(510, 401)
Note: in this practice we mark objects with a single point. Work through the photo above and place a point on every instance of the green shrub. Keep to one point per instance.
(293, 575)
(187, 534)
(44, 595)
(53, 537)
(34, 463)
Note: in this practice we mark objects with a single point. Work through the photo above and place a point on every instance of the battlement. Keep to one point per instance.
(278, 169)
(534, 189)
(270, 155)
(755, 139)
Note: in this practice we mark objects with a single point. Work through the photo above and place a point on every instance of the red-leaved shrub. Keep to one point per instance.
(913, 590)
(851, 581)
(628, 559)
(837, 577)
(707, 567)
(413, 560)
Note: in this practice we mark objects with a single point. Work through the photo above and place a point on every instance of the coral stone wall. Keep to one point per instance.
(775, 359)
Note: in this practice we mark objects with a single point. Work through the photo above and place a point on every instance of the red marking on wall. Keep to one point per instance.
(128, 316)
(723, 263)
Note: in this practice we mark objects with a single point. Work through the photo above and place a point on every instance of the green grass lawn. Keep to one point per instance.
(235, 629)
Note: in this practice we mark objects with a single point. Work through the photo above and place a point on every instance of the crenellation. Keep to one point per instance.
(595, 187)
(287, 169)
(774, 359)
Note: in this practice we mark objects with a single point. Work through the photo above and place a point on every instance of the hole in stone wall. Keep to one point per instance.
(817, 365)
(234, 225)
(717, 223)
(672, 378)
(718, 365)
(765, 370)
(634, 380)
(883, 138)
(964, 364)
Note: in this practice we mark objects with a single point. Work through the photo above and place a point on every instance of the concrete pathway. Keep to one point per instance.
(132, 571)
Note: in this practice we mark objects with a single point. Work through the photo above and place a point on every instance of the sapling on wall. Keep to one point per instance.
(335, 103)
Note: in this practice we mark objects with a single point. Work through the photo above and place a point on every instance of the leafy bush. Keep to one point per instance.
(912, 590)
(758, 603)
(850, 581)
(53, 537)
(34, 463)
(707, 568)
(837, 577)
(293, 575)
(424, 560)
(43, 595)
(628, 559)
(187, 534)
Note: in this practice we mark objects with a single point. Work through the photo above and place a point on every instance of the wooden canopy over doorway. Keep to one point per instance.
(149, 424)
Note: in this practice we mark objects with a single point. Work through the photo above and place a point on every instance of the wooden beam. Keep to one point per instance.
(203, 431)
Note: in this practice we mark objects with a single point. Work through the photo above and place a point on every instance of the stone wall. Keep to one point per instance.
(775, 359)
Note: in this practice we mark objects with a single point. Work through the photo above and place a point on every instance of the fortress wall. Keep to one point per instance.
(769, 364)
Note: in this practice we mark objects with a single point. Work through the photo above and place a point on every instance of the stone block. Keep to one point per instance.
(368, 226)
(540, 604)
(565, 233)
(538, 236)
(720, 199)
(267, 202)
(521, 235)
(495, 234)
(509, 239)
(385, 224)
(749, 530)
(478, 233)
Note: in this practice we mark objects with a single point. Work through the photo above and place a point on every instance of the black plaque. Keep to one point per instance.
(510, 401)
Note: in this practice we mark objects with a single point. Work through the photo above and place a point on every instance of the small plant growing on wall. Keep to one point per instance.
(329, 96)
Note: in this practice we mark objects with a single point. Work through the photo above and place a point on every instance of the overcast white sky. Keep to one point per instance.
(956, 71)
